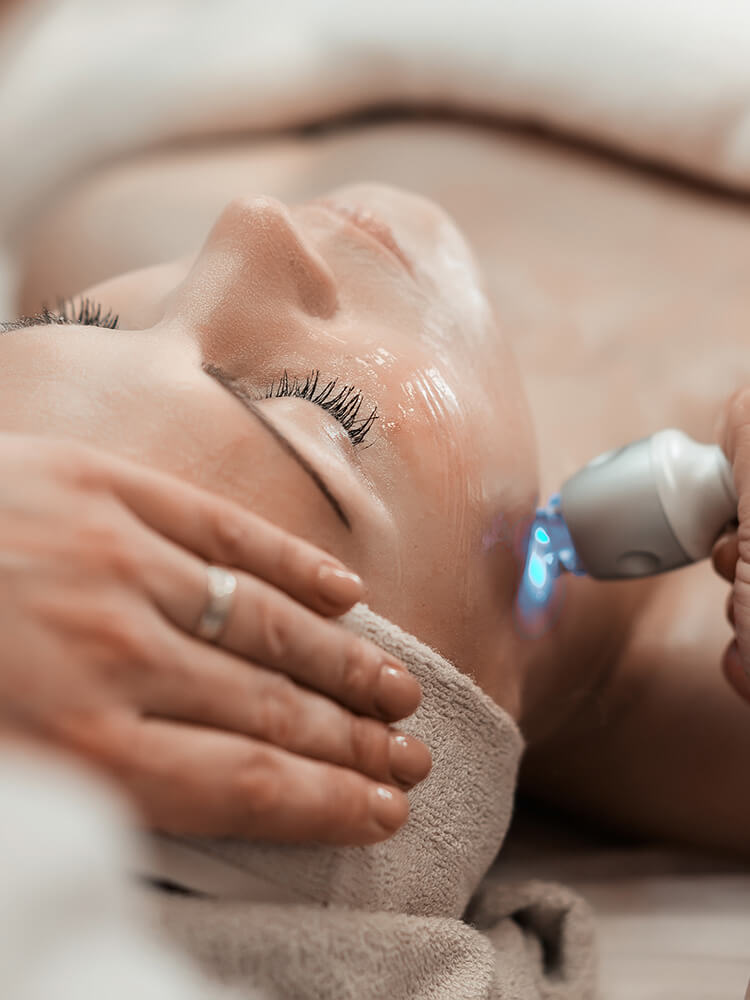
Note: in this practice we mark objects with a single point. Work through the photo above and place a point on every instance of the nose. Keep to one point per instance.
(257, 253)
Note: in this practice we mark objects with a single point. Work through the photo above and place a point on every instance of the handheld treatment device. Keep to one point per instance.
(648, 507)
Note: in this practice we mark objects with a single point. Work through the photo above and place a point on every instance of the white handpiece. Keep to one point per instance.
(648, 507)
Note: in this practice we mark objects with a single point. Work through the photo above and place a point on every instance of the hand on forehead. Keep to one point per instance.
(372, 293)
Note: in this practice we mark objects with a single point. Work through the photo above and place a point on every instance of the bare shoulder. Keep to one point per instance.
(663, 749)
(683, 623)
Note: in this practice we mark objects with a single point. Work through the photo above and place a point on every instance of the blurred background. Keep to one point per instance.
(87, 87)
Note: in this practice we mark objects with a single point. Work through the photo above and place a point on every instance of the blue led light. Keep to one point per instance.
(549, 552)
(537, 570)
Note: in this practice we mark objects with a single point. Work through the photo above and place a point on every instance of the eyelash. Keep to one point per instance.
(343, 404)
(87, 313)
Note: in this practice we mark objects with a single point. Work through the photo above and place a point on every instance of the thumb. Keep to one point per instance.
(731, 560)
(741, 599)
(732, 432)
(725, 554)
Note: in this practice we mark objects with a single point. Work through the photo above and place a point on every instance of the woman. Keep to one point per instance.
(367, 303)
(232, 370)
(640, 292)
(391, 460)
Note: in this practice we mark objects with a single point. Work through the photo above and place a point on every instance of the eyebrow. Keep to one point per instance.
(233, 387)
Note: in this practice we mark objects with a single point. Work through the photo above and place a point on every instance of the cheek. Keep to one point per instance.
(433, 492)
(139, 297)
(252, 471)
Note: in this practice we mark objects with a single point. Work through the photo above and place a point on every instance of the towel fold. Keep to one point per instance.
(385, 920)
(539, 949)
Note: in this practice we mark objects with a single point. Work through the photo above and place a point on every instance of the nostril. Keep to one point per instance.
(277, 253)
(276, 244)
(315, 283)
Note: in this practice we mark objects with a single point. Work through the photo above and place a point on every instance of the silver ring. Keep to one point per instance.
(222, 586)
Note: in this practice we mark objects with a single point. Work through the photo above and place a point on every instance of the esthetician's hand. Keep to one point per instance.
(731, 553)
(264, 734)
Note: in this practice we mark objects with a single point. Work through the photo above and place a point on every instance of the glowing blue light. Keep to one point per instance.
(549, 552)
(537, 570)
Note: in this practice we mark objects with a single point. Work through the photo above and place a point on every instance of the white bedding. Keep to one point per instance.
(92, 79)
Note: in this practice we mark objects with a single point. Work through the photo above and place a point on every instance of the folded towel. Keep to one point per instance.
(385, 920)
(458, 819)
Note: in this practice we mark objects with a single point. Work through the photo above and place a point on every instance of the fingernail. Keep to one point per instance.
(723, 541)
(397, 694)
(389, 807)
(410, 760)
(339, 586)
(736, 671)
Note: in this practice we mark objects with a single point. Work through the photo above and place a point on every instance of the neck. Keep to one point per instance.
(573, 655)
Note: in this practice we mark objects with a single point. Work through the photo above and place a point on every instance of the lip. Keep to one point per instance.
(366, 221)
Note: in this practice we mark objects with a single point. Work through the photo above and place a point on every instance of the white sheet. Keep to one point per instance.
(72, 927)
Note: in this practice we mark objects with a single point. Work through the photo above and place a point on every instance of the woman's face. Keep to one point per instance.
(370, 289)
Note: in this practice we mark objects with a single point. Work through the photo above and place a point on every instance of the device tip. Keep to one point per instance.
(549, 552)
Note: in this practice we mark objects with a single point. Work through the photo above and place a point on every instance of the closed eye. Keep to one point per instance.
(86, 313)
(343, 402)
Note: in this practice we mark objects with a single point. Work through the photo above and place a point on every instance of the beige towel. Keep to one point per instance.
(385, 920)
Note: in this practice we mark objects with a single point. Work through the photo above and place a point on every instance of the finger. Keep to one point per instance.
(735, 672)
(223, 532)
(724, 556)
(729, 608)
(202, 684)
(732, 433)
(189, 780)
(269, 628)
